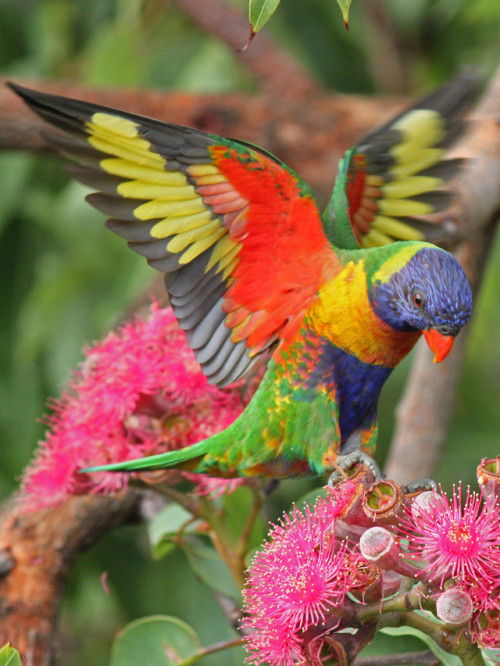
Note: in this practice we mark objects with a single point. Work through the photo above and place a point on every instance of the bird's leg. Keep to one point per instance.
(354, 450)
(341, 473)
(346, 462)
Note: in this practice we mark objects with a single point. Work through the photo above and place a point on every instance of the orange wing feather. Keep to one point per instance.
(237, 234)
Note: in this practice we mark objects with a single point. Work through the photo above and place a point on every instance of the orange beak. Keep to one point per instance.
(439, 344)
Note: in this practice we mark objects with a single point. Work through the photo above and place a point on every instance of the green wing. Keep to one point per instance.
(395, 173)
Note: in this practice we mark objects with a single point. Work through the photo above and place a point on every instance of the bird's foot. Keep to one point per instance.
(416, 486)
(346, 462)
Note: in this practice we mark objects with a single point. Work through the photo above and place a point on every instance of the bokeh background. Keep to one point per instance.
(65, 280)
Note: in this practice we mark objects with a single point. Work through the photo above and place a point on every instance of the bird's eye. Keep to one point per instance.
(418, 298)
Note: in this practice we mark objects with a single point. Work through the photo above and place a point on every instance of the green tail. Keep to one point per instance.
(160, 461)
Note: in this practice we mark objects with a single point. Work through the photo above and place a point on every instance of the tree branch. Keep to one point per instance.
(36, 553)
(310, 136)
(423, 658)
(424, 412)
(386, 62)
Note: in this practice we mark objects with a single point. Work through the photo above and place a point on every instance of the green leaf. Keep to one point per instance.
(160, 640)
(9, 656)
(207, 564)
(344, 8)
(490, 657)
(446, 659)
(164, 528)
(260, 12)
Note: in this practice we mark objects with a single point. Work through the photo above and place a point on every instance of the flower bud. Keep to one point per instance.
(424, 502)
(454, 607)
(379, 546)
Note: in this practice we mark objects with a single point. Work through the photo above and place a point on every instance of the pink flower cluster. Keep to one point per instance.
(372, 542)
(296, 582)
(138, 392)
(293, 582)
(457, 546)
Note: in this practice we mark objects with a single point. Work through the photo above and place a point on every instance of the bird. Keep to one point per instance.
(252, 268)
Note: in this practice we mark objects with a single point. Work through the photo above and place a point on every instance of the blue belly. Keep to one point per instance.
(357, 384)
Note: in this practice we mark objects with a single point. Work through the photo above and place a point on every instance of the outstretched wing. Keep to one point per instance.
(395, 172)
(236, 232)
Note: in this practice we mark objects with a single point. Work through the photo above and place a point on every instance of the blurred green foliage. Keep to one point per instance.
(65, 279)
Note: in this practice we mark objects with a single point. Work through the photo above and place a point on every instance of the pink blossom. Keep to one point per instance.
(213, 487)
(275, 645)
(293, 583)
(454, 541)
(137, 392)
(486, 626)
(340, 498)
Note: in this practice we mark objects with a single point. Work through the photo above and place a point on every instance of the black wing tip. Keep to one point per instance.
(468, 77)
(452, 100)
(63, 112)
(19, 90)
(454, 96)
(31, 97)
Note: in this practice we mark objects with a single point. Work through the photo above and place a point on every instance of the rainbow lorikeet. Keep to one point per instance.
(251, 265)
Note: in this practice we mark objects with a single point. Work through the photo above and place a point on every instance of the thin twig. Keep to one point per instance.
(241, 547)
(454, 641)
(204, 509)
(385, 63)
(423, 658)
(400, 603)
(232, 612)
(222, 540)
(424, 412)
(212, 649)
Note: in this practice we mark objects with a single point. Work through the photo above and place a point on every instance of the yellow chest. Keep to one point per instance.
(343, 314)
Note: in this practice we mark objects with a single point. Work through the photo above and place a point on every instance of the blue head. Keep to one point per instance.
(422, 288)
